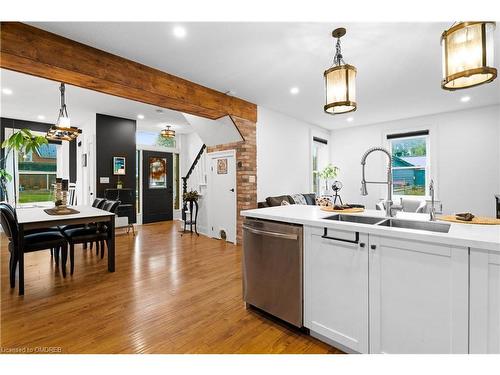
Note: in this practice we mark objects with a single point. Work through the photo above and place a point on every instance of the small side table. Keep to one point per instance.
(192, 213)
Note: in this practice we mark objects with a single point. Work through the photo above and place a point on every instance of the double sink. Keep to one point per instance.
(393, 223)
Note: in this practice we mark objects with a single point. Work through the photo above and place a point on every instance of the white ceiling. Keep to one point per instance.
(399, 64)
(33, 96)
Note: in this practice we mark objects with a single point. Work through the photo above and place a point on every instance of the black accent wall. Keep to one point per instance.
(115, 136)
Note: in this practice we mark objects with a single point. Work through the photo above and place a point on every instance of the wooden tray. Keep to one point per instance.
(345, 211)
(476, 220)
(61, 211)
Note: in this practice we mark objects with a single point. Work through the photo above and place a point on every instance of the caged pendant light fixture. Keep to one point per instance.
(340, 81)
(167, 132)
(62, 130)
(467, 49)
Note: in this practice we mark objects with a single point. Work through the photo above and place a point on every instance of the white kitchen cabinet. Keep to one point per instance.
(418, 297)
(336, 286)
(484, 302)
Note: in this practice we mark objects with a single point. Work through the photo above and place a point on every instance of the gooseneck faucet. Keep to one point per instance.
(432, 211)
(364, 191)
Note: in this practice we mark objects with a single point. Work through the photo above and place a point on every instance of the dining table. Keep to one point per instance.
(38, 218)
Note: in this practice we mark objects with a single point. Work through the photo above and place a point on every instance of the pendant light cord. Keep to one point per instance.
(63, 112)
(338, 58)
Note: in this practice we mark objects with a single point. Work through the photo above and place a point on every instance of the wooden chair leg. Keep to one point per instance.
(72, 258)
(97, 248)
(64, 258)
(12, 269)
(91, 245)
(51, 252)
(56, 256)
(102, 249)
(85, 245)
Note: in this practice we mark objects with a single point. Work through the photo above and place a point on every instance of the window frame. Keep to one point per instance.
(317, 139)
(428, 163)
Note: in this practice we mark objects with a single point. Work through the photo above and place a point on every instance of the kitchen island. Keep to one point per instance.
(385, 287)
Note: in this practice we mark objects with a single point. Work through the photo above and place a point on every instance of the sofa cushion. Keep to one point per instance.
(276, 201)
(310, 199)
(299, 199)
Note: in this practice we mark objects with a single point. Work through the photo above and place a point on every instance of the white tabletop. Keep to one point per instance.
(38, 215)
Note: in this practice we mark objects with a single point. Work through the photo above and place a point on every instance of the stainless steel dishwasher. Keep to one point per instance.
(272, 268)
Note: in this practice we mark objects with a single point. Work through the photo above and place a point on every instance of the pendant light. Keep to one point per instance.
(167, 132)
(62, 130)
(340, 82)
(468, 55)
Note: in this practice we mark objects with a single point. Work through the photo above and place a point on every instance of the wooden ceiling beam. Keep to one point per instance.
(27, 49)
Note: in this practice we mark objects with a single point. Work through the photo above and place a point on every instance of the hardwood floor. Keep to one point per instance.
(169, 294)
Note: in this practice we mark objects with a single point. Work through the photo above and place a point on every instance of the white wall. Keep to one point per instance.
(465, 158)
(284, 154)
(85, 176)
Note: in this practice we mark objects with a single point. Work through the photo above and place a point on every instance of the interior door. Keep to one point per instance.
(223, 196)
(157, 186)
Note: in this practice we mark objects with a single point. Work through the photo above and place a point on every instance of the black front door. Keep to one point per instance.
(157, 186)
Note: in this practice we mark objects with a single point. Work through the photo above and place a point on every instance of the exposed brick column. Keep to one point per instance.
(246, 170)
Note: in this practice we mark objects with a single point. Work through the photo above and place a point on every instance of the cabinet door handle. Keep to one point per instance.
(361, 244)
(326, 237)
(373, 247)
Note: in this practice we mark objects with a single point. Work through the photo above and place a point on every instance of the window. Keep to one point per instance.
(319, 161)
(410, 163)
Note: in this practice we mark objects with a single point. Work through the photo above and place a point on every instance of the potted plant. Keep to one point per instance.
(22, 141)
(191, 196)
(328, 173)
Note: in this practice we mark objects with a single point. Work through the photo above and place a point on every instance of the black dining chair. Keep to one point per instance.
(32, 242)
(93, 233)
(54, 252)
(97, 203)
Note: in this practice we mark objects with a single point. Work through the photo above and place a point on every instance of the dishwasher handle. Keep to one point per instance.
(286, 236)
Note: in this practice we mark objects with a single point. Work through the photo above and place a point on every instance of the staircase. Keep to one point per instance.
(186, 177)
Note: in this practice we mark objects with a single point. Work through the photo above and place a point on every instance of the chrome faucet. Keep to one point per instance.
(432, 211)
(364, 191)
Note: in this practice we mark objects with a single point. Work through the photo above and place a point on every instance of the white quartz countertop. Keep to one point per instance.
(485, 237)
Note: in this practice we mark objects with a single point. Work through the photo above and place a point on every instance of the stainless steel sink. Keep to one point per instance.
(356, 219)
(417, 225)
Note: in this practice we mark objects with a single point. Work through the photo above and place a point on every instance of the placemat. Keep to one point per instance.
(61, 211)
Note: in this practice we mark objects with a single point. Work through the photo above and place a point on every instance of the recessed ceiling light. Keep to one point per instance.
(465, 99)
(350, 119)
(6, 91)
(40, 117)
(294, 90)
(140, 117)
(179, 31)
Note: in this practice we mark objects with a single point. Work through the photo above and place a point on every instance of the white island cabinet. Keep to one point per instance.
(336, 286)
(415, 291)
(484, 301)
(418, 297)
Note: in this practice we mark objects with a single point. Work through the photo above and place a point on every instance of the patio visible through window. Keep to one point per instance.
(37, 174)
(409, 165)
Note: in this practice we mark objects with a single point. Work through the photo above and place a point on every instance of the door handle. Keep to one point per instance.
(231, 190)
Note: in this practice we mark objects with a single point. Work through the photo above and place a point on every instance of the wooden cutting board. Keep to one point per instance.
(480, 220)
(345, 211)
